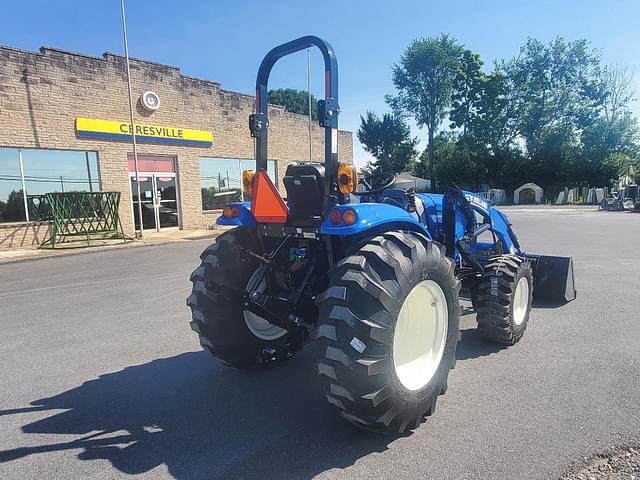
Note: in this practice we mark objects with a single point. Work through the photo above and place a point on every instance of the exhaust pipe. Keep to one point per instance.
(553, 281)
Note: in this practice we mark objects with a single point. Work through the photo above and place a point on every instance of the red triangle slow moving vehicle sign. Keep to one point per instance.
(267, 205)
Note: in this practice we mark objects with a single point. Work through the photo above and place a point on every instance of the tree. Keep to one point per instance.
(553, 88)
(618, 92)
(610, 142)
(294, 101)
(553, 115)
(424, 78)
(559, 99)
(609, 148)
(13, 209)
(389, 140)
(451, 162)
(494, 133)
(467, 96)
(634, 171)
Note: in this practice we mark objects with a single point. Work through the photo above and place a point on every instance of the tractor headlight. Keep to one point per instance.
(247, 182)
(347, 178)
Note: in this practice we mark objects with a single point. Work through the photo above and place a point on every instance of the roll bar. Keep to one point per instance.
(328, 108)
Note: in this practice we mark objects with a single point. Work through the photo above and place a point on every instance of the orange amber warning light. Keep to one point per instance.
(247, 182)
(230, 212)
(347, 178)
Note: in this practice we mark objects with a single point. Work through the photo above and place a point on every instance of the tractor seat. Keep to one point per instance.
(305, 194)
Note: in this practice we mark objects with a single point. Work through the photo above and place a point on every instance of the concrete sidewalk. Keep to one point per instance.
(149, 239)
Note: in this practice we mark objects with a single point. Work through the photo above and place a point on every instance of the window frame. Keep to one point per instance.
(239, 161)
(24, 176)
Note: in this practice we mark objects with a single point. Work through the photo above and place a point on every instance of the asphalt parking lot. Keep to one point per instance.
(102, 378)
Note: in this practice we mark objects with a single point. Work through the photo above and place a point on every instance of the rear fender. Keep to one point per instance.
(245, 219)
(373, 218)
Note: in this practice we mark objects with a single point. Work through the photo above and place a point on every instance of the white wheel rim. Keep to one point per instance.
(520, 301)
(257, 325)
(420, 335)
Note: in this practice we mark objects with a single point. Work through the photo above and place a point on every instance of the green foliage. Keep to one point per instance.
(421, 166)
(554, 88)
(552, 115)
(13, 209)
(452, 164)
(389, 140)
(295, 101)
(424, 78)
(634, 171)
(466, 97)
(608, 149)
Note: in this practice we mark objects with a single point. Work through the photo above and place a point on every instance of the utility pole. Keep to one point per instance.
(133, 125)
(309, 95)
(86, 157)
(24, 186)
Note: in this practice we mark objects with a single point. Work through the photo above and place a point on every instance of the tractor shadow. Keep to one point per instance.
(201, 420)
(473, 345)
(206, 421)
(547, 304)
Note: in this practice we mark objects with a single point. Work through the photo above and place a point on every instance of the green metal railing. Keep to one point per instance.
(39, 208)
(83, 214)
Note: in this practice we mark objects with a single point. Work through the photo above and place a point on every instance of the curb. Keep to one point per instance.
(103, 248)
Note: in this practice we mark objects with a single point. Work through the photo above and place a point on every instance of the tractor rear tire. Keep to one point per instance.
(502, 299)
(398, 288)
(217, 306)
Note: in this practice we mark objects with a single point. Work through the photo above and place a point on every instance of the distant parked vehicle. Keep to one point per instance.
(627, 198)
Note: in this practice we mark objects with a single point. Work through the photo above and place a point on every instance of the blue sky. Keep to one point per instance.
(226, 40)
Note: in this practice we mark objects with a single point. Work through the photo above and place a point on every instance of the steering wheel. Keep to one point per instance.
(387, 180)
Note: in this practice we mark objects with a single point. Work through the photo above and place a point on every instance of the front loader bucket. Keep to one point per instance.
(553, 279)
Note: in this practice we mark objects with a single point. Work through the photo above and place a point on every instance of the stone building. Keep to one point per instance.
(64, 119)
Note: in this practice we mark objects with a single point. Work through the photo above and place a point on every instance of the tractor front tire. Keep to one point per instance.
(390, 324)
(502, 299)
(217, 306)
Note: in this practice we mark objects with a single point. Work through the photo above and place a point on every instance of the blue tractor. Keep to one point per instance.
(372, 272)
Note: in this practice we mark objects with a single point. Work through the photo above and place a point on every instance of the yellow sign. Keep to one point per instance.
(114, 130)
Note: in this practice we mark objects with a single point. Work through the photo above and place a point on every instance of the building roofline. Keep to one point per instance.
(105, 57)
(44, 48)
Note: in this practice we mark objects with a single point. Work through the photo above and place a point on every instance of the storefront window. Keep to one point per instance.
(44, 171)
(11, 198)
(221, 180)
